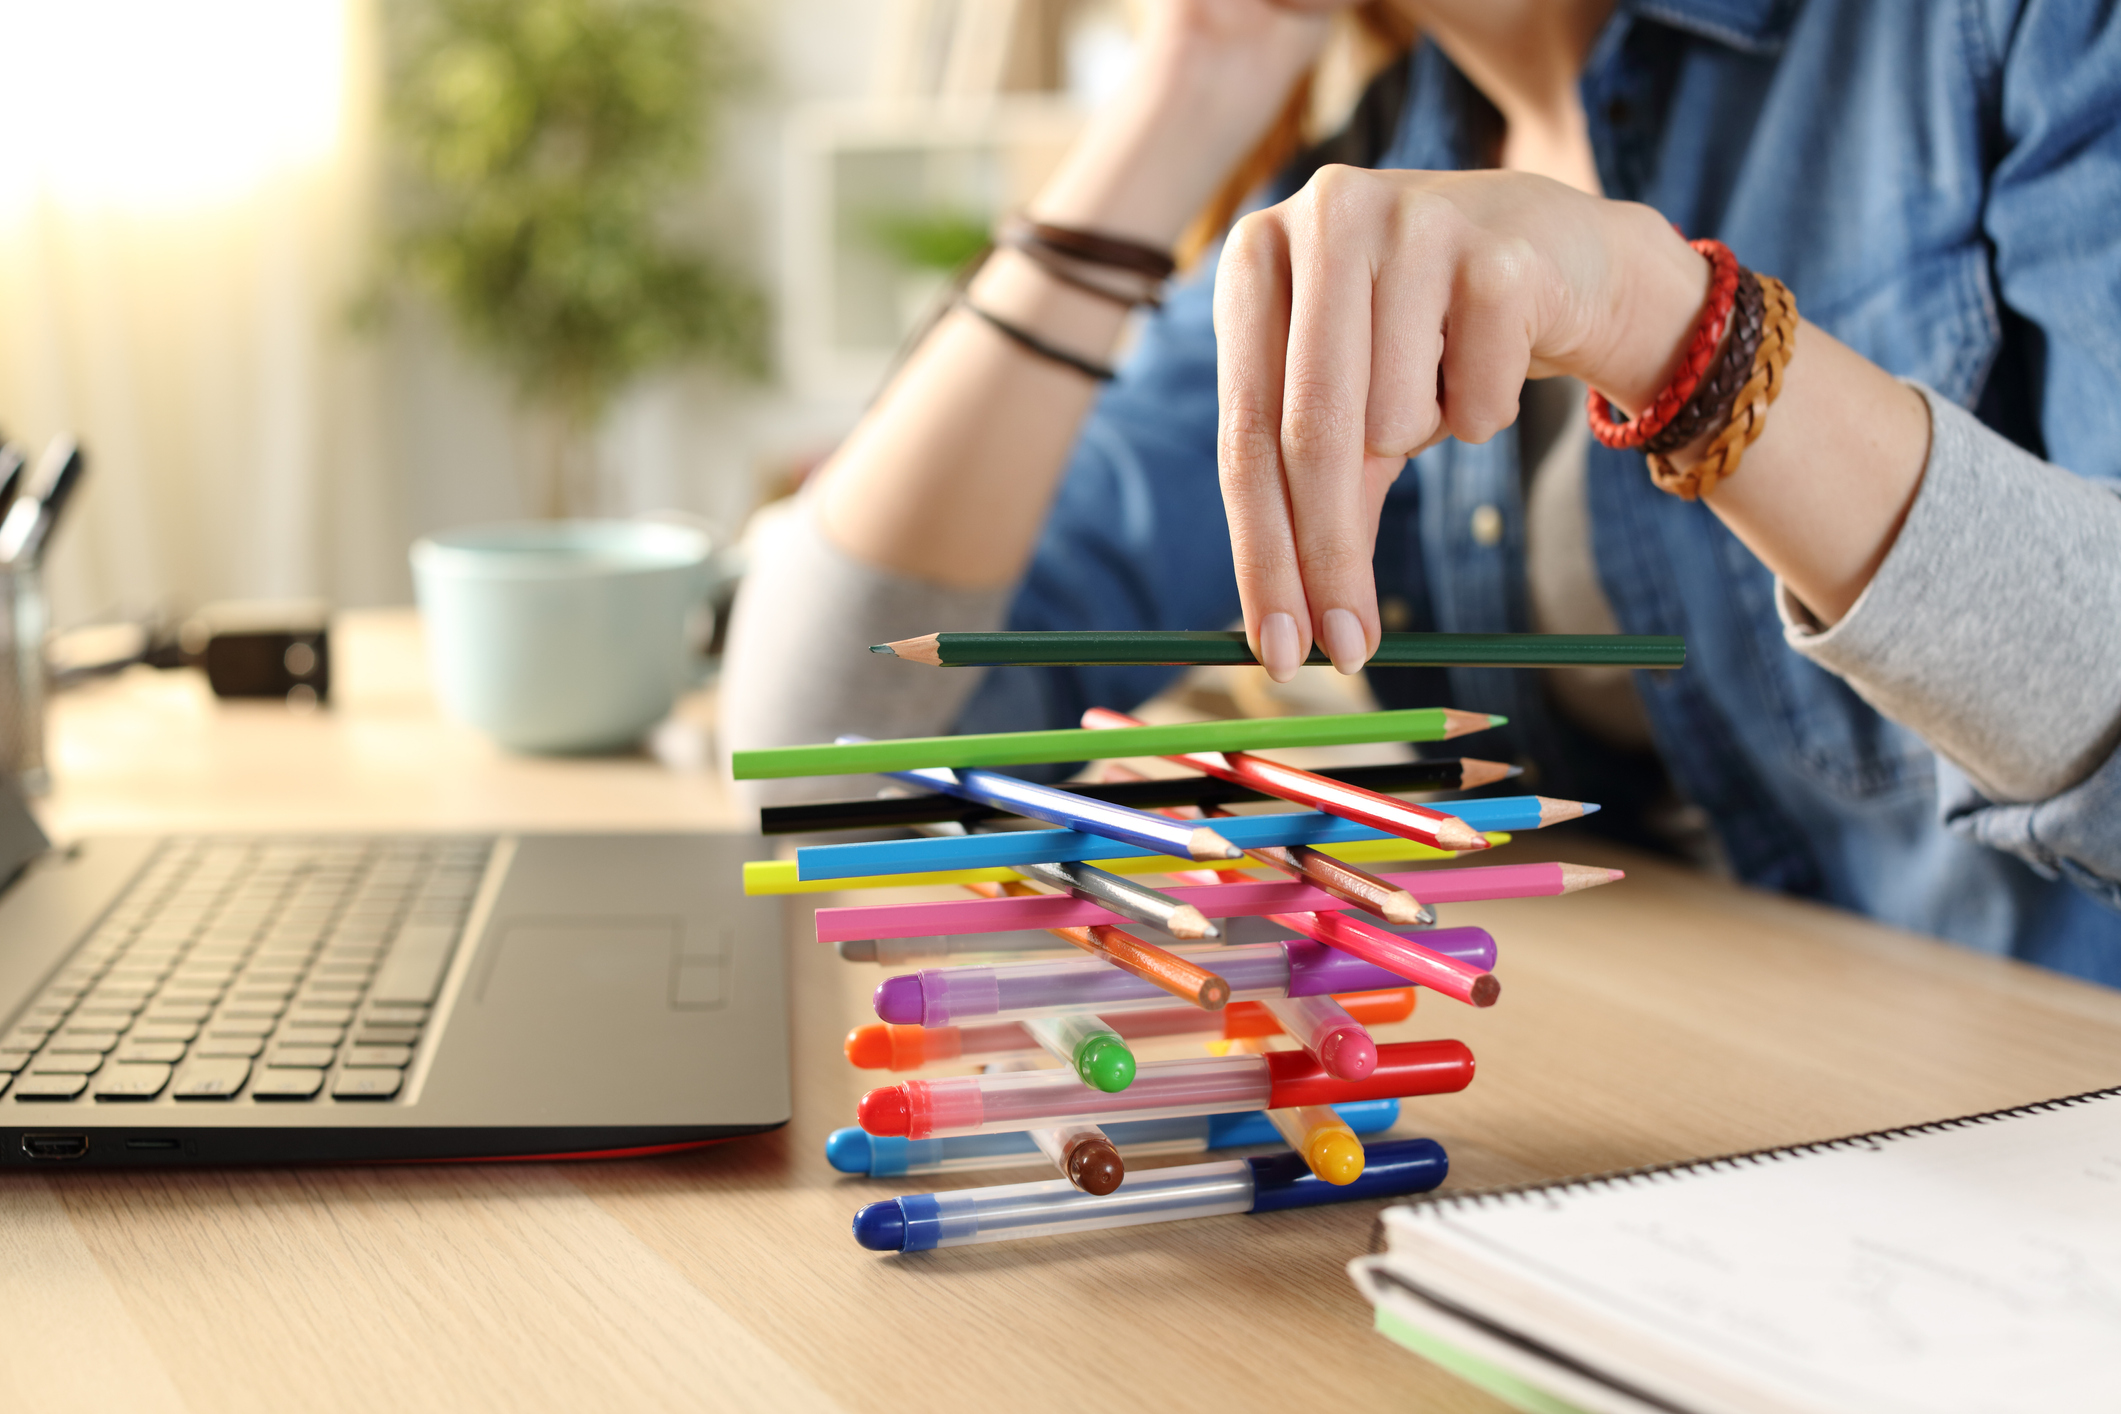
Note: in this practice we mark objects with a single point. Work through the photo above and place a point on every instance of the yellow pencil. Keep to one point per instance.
(777, 876)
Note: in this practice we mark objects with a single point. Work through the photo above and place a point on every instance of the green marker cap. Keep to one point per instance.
(1105, 1063)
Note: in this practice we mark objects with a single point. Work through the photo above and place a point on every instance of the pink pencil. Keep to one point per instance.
(1433, 886)
(1459, 980)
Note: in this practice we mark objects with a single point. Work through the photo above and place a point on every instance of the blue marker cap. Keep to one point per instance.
(881, 1227)
(1390, 1170)
(848, 1150)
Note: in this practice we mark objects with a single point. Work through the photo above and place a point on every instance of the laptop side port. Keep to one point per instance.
(152, 1143)
(55, 1146)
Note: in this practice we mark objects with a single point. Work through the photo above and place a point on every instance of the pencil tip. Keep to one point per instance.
(925, 649)
(1456, 834)
(1473, 773)
(1458, 723)
(1587, 876)
(1403, 908)
(1189, 922)
(1553, 812)
(1205, 843)
(1496, 719)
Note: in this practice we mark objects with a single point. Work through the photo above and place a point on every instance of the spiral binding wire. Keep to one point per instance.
(1752, 1158)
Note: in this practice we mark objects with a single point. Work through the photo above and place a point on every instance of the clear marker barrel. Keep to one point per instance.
(941, 996)
(850, 1150)
(979, 1104)
(920, 1221)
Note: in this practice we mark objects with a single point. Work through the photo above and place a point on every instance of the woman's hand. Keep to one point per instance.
(1373, 314)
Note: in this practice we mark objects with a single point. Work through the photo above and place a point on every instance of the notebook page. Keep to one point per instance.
(1971, 1268)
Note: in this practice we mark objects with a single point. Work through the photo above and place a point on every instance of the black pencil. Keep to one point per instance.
(877, 813)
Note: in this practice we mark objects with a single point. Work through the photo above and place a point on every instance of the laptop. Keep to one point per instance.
(296, 998)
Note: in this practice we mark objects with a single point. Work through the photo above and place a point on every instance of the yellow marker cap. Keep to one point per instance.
(1335, 1155)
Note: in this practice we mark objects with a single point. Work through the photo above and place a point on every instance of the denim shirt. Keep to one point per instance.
(1939, 183)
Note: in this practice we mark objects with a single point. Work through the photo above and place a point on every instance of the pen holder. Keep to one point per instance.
(22, 679)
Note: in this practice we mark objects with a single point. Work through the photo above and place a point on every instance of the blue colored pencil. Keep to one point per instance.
(1158, 834)
(1007, 848)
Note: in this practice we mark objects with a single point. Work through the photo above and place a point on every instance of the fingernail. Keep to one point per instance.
(1342, 637)
(1277, 646)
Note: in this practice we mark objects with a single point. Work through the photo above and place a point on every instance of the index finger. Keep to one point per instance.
(1251, 342)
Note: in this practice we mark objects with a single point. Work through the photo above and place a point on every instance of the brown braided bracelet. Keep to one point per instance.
(1749, 415)
(1710, 407)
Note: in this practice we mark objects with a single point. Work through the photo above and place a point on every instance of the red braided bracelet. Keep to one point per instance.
(1700, 353)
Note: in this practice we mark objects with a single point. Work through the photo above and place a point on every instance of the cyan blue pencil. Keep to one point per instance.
(1012, 847)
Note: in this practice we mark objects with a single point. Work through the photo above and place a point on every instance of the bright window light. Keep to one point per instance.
(146, 104)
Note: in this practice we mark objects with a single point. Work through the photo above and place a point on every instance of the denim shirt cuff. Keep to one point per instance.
(1988, 629)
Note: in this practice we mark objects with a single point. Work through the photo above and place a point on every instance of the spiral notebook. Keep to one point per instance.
(1972, 1266)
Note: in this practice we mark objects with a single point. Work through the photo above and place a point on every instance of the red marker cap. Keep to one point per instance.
(1403, 1068)
(884, 1111)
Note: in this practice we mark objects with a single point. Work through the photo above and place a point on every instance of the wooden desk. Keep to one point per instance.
(1664, 1018)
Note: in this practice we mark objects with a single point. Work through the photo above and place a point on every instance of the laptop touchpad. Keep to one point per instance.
(575, 968)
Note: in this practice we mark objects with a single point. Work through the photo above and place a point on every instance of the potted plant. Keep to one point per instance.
(545, 148)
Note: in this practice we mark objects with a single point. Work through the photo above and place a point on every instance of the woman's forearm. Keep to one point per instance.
(950, 475)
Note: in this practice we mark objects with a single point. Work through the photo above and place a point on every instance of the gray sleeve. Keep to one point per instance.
(1993, 628)
(796, 666)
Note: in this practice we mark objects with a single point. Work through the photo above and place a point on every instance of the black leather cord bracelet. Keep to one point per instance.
(1032, 343)
(1021, 241)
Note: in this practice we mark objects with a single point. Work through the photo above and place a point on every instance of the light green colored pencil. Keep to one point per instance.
(1030, 748)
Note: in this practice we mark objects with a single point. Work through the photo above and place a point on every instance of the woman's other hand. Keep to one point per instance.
(1372, 315)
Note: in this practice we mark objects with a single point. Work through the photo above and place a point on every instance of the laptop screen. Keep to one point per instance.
(20, 839)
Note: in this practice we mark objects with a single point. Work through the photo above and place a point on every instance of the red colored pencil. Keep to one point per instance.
(1367, 807)
(1396, 953)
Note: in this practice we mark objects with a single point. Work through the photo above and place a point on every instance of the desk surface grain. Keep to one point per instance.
(1664, 1018)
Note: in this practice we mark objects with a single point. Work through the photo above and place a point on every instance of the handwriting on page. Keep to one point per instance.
(1971, 1269)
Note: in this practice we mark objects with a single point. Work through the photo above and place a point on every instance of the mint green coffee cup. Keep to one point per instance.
(562, 636)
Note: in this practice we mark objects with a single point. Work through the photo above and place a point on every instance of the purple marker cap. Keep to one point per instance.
(1315, 969)
(898, 1000)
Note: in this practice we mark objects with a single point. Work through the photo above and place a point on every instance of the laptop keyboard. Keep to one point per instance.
(286, 971)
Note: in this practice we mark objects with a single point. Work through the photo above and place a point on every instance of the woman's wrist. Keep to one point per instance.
(1657, 285)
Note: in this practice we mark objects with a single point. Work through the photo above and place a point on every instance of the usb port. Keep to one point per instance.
(154, 1144)
(55, 1146)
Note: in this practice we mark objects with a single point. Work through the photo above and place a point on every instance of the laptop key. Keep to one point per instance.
(49, 1087)
(25, 1037)
(194, 1012)
(210, 1079)
(286, 1083)
(71, 1040)
(244, 1046)
(131, 1081)
(72, 1063)
(225, 1025)
(366, 1084)
(163, 1031)
(378, 1057)
(320, 1014)
(373, 1035)
(163, 1052)
(317, 1056)
(13, 1060)
(413, 972)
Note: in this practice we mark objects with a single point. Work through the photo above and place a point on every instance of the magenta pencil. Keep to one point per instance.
(956, 917)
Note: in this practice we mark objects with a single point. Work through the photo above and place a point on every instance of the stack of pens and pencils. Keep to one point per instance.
(1283, 972)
